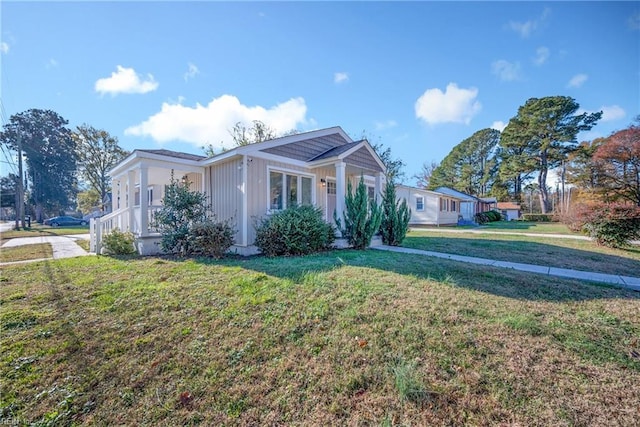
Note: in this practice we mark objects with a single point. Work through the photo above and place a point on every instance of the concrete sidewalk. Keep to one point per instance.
(62, 246)
(628, 282)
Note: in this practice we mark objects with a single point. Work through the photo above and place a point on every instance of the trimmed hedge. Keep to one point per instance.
(489, 216)
(539, 217)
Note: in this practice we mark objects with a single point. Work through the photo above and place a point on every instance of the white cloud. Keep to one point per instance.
(455, 105)
(125, 80)
(634, 21)
(210, 124)
(498, 125)
(542, 54)
(505, 70)
(612, 112)
(526, 28)
(340, 77)
(192, 71)
(577, 81)
(387, 124)
(4, 47)
(51, 63)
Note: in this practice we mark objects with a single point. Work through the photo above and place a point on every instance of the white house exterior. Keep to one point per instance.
(509, 210)
(244, 184)
(469, 205)
(429, 207)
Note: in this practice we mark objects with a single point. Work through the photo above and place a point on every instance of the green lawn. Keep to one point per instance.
(342, 338)
(26, 252)
(528, 227)
(44, 230)
(554, 252)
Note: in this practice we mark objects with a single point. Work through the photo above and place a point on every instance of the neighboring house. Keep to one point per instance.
(429, 207)
(470, 205)
(510, 211)
(244, 184)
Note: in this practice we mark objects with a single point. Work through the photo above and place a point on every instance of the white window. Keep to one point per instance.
(419, 203)
(371, 193)
(454, 207)
(287, 189)
(331, 187)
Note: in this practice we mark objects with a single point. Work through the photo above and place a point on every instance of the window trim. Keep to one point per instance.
(421, 199)
(284, 172)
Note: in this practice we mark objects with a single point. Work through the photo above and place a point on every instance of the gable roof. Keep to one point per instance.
(176, 154)
(451, 192)
(508, 206)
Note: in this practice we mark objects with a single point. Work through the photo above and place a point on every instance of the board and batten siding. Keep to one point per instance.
(225, 183)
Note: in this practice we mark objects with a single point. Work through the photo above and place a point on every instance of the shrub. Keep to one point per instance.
(298, 230)
(181, 209)
(539, 217)
(361, 217)
(118, 243)
(488, 216)
(612, 225)
(395, 217)
(211, 238)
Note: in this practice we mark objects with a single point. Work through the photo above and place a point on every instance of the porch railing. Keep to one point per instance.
(123, 220)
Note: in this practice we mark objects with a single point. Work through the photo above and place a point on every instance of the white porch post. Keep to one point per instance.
(341, 178)
(379, 189)
(245, 200)
(144, 201)
(131, 198)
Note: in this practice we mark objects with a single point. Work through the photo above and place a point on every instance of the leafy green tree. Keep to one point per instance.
(393, 166)
(361, 216)
(257, 132)
(541, 136)
(471, 165)
(395, 217)
(50, 156)
(97, 153)
(8, 191)
(89, 200)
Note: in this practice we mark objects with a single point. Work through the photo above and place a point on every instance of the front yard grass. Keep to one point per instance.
(22, 253)
(341, 338)
(43, 230)
(554, 252)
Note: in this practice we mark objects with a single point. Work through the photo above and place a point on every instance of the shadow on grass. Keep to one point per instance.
(493, 280)
(525, 252)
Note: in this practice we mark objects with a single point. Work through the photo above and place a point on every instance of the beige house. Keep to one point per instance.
(244, 184)
(429, 207)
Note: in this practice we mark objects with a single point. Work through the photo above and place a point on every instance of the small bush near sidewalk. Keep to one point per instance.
(297, 230)
(118, 243)
(612, 225)
(362, 217)
(539, 217)
(395, 217)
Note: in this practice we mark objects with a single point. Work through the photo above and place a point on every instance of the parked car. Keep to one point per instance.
(62, 221)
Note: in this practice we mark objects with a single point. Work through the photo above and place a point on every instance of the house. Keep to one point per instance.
(244, 184)
(510, 211)
(429, 207)
(470, 205)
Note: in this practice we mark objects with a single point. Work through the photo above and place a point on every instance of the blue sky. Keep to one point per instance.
(418, 77)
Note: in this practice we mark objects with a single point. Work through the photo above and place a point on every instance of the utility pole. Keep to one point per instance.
(20, 187)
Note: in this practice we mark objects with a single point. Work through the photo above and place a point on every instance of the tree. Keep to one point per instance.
(88, 200)
(471, 165)
(361, 216)
(258, 132)
(619, 163)
(50, 154)
(97, 153)
(395, 217)
(426, 171)
(8, 186)
(541, 136)
(393, 165)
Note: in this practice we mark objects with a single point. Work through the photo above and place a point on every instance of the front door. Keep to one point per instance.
(331, 199)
